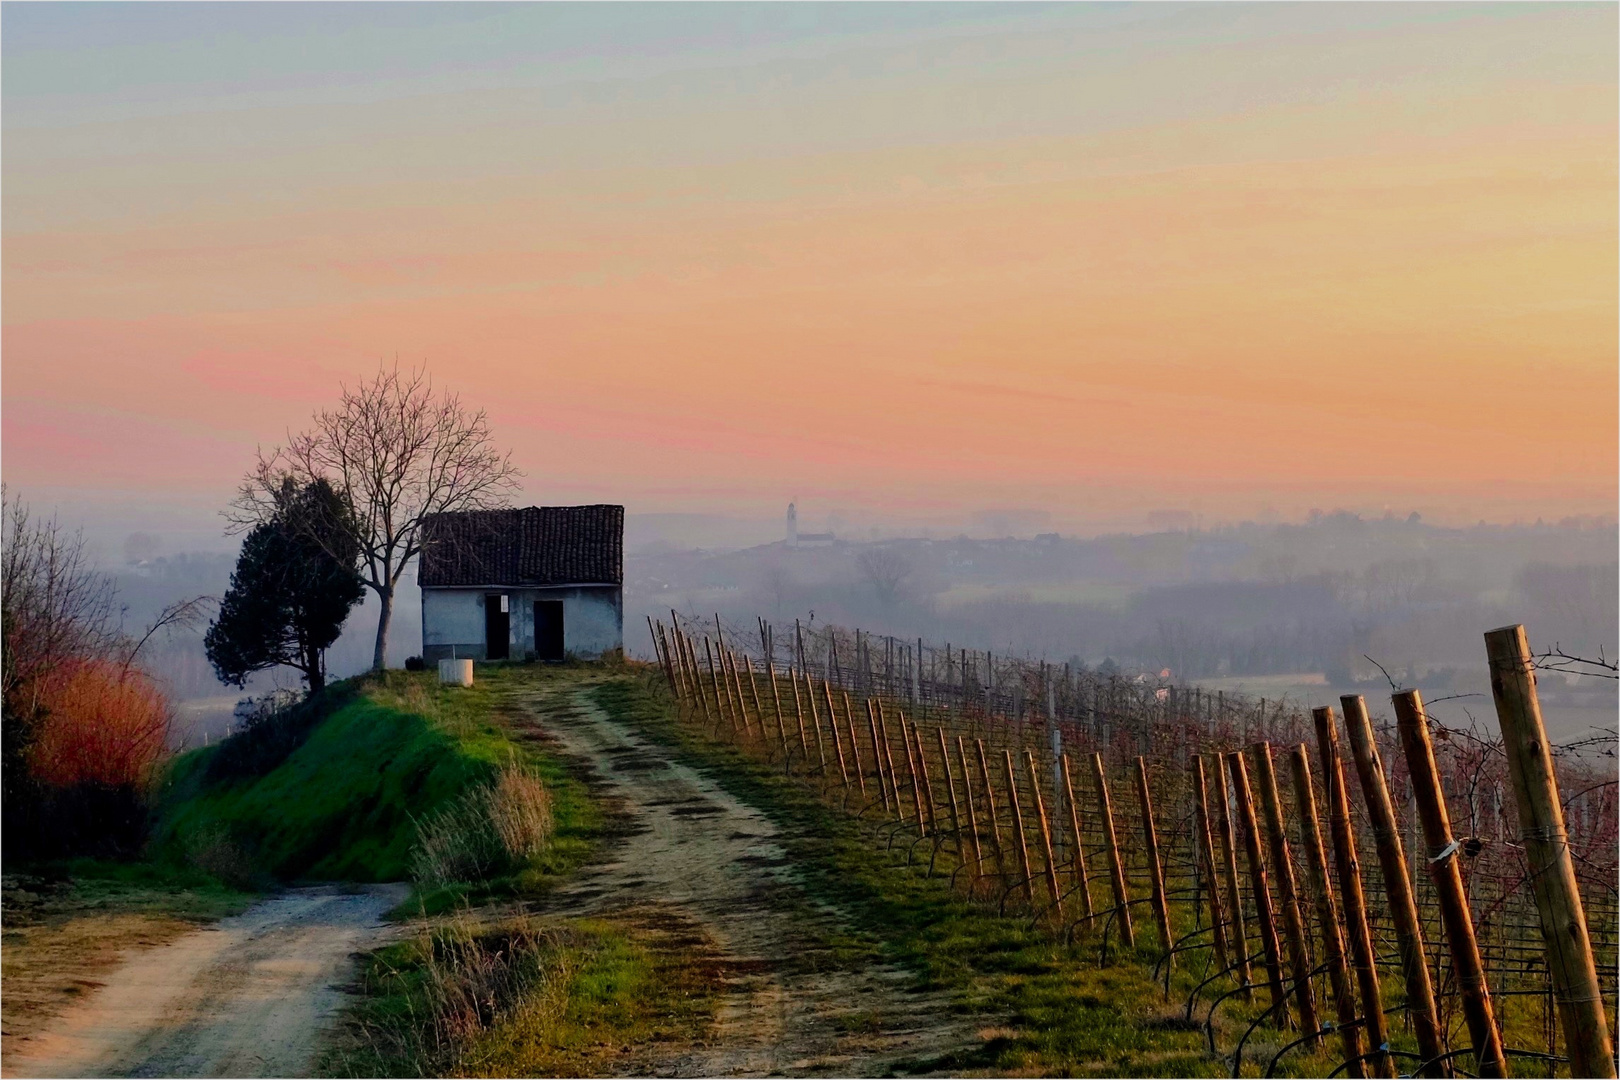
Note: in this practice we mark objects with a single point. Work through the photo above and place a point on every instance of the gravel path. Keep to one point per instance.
(718, 862)
(251, 995)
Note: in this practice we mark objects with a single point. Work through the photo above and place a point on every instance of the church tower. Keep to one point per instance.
(792, 526)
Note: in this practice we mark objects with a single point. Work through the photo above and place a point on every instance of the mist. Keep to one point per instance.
(1302, 610)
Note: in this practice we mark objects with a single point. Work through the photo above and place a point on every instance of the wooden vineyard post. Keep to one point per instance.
(714, 684)
(1239, 940)
(671, 668)
(1287, 892)
(815, 722)
(662, 657)
(1264, 919)
(689, 650)
(888, 761)
(798, 713)
(1116, 866)
(1546, 848)
(759, 710)
(1206, 858)
(927, 781)
(1018, 830)
(1046, 838)
(950, 786)
(672, 645)
(1348, 866)
(776, 700)
(1327, 911)
(742, 706)
(990, 808)
(877, 754)
(838, 743)
(1466, 964)
(1397, 885)
(911, 771)
(1150, 834)
(855, 745)
(1082, 880)
(973, 817)
(728, 676)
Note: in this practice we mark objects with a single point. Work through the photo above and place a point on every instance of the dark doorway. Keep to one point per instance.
(497, 627)
(548, 630)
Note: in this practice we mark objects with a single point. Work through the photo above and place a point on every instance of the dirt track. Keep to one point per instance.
(697, 850)
(249, 996)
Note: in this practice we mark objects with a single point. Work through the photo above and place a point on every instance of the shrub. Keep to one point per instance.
(415, 663)
(214, 853)
(486, 830)
(103, 723)
(270, 728)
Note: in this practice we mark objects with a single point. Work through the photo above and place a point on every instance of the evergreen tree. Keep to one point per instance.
(295, 582)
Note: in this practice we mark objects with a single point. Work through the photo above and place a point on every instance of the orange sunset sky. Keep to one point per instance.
(903, 263)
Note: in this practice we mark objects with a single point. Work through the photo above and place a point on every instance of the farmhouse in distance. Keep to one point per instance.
(538, 583)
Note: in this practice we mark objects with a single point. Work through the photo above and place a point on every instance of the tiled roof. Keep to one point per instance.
(537, 545)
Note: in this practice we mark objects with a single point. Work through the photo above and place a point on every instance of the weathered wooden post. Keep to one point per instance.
(1455, 916)
(1287, 892)
(1116, 866)
(1082, 878)
(798, 714)
(950, 786)
(1239, 941)
(927, 781)
(1397, 885)
(815, 722)
(776, 700)
(855, 745)
(1046, 838)
(973, 817)
(877, 753)
(1150, 834)
(1264, 917)
(1348, 865)
(838, 742)
(714, 683)
(1206, 857)
(1546, 848)
(990, 808)
(1018, 830)
(911, 770)
(888, 760)
(1327, 910)
(737, 660)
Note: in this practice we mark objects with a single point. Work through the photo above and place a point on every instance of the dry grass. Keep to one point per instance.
(485, 831)
(453, 983)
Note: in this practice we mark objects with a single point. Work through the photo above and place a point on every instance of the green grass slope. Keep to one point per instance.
(344, 804)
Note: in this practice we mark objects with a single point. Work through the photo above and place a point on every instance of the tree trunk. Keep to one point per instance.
(379, 658)
(314, 671)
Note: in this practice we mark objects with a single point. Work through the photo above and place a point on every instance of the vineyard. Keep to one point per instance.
(1327, 892)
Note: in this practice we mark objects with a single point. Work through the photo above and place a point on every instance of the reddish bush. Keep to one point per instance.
(103, 724)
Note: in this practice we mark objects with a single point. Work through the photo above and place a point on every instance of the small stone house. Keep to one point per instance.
(540, 583)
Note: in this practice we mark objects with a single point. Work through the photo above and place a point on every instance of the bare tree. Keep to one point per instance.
(397, 453)
(53, 603)
(885, 570)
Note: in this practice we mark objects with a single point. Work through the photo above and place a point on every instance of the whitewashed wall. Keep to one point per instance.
(453, 621)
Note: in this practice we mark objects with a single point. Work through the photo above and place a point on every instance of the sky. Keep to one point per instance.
(902, 263)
